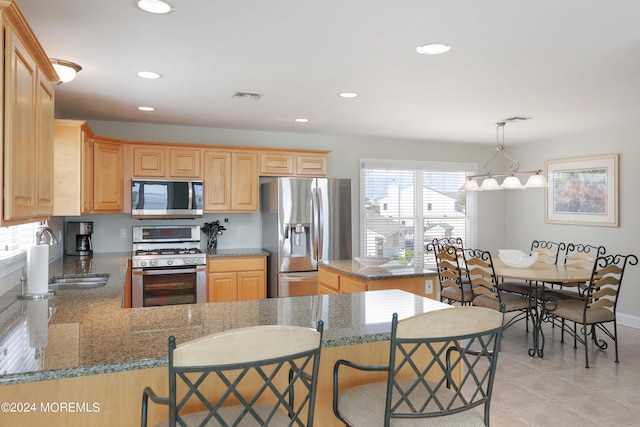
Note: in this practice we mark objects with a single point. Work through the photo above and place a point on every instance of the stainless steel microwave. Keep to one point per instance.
(166, 198)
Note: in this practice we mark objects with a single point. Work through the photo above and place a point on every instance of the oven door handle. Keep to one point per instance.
(160, 271)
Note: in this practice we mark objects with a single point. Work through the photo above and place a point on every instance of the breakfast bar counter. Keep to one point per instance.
(83, 347)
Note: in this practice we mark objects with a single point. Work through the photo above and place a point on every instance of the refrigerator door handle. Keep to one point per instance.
(320, 210)
(314, 225)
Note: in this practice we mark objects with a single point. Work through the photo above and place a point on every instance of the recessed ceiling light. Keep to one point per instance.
(433, 48)
(301, 120)
(148, 75)
(348, 95)
(146, 109)
(154, 6)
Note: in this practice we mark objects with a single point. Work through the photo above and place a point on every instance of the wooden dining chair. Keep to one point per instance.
(261, 375)
(596, 310)
(454, 284)
(487, 288)
(441, 368)
(578, 256)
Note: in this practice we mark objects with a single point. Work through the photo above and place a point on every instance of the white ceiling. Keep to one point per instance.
(571, 65)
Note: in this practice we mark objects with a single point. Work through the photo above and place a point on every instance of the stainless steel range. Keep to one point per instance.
(168, 266)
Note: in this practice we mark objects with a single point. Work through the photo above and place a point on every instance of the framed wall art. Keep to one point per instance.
(582, 191)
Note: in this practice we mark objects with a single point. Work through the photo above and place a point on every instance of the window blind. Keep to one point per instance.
(406, 204)
(16, 239)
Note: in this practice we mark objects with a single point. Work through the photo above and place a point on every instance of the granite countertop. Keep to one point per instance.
(85, 332)
(390, 270)
(238, 252)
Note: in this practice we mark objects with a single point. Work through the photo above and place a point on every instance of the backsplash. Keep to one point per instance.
(243, 230)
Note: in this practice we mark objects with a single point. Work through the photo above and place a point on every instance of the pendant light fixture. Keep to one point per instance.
(511, 180)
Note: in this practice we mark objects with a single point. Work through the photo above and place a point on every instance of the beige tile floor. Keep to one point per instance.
(557, 390)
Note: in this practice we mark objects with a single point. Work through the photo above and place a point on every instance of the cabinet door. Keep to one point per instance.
(44, 150)
(276, 164)
(222, 287)
(86, 195)
(149, 161)
(184, 163)
(251, 285)
(311, 165)
(217, 181)
(244, 176)
(108, 183)
(19, 130)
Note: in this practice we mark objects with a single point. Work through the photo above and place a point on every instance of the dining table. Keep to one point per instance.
(536, 275)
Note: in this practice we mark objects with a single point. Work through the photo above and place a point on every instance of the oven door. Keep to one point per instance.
(168, 286)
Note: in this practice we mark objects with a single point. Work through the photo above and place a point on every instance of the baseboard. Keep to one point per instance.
(628, 320)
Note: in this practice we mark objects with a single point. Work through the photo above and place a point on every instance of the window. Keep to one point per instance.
(16, 239)
(404, 205)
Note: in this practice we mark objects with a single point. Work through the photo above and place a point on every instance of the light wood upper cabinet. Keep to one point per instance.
(28, 122)
(276, 164)
(44, 147)
(108, 179)
(185, 163)
(291, 163)
(149, 161)
(311, 165)
(73, 168)
(231, 181)
(244, 182)
(217, 181)
(164, 162)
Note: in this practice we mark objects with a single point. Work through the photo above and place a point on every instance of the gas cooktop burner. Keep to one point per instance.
(170, 251)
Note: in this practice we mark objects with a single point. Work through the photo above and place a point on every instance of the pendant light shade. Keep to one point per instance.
(511, 182)
(536, 181)
(490, 184)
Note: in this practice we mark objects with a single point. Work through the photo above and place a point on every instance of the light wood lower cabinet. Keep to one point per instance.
(236, 278)
(332, 281)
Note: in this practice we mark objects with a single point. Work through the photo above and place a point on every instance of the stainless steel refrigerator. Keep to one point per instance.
(304, 220)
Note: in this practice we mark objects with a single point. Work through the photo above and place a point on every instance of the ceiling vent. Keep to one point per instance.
(247, 95)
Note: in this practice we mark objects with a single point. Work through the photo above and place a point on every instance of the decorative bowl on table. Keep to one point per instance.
(516, 258)
(372, 261)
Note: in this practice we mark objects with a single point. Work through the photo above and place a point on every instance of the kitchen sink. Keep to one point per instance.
(69, 283)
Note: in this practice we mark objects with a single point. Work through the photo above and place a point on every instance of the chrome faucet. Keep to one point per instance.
(41, 239)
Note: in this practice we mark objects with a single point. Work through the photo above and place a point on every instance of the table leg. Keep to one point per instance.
(536, 295)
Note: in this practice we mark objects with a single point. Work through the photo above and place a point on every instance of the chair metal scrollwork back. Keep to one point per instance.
(260, 375)
(597, 308)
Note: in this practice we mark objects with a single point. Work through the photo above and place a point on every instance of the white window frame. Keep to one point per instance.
(418, 168)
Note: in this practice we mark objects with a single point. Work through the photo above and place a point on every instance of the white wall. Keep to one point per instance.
(524, 213)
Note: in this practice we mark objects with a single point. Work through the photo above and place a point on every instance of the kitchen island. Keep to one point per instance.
(342, 276)
(88, 363)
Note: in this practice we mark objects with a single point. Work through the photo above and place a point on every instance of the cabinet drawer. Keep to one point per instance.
(236, 264)
(329, 279)
(348, 285)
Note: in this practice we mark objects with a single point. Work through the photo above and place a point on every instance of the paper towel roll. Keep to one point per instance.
(38, 269)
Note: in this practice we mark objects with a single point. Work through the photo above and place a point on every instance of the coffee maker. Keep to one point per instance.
(78, 239)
